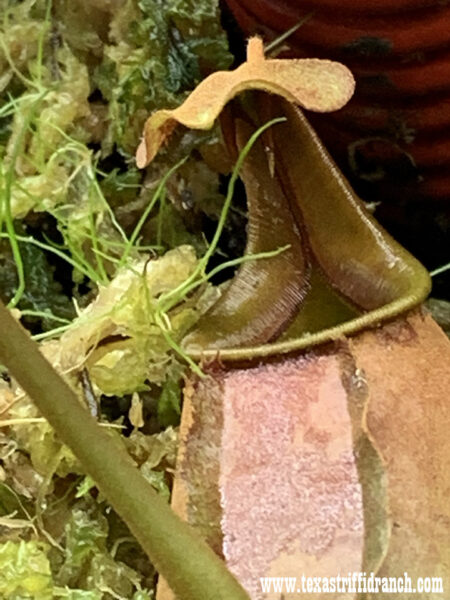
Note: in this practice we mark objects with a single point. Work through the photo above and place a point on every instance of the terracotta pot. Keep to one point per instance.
(393, 139)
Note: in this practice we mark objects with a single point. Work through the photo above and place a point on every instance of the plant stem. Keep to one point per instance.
(156, 196)
(5, 212)
(190, 567)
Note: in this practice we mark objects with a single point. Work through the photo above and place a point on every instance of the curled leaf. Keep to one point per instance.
(314, 84)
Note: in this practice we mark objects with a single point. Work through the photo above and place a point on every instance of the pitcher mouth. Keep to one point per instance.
(308, 341)
(353, 269)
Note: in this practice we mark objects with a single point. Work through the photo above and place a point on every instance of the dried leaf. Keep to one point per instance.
(135, 413)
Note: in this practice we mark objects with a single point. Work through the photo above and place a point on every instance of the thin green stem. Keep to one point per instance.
(191, 568)
(10, 108)
(440, 270)
(94, 237)
(27, 82)
(110, 211)
(148, 209)
(159, 320)
(162, 206)
(6, 212)
(234, 263)
(52, 333)
(284, 36)
(29, 240)
(106, 256)
(44, 315)
(41, 40)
